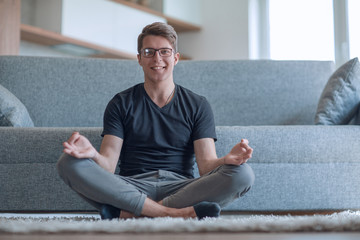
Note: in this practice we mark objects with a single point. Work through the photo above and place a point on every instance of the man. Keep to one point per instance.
(154, 129)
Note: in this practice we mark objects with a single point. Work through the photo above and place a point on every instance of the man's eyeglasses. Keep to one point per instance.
(150, 52)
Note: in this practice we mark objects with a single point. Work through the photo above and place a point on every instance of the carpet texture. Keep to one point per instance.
(337, 222)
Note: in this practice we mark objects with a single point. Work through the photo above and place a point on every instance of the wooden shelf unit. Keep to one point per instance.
(48, 38)
(179, 25)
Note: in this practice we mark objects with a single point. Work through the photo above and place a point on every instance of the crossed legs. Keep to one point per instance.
(133, 197)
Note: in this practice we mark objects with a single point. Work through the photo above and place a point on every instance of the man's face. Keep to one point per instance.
(157, 68)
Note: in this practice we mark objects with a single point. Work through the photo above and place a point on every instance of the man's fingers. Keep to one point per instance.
(245, 144)
(244, 140)
(68, 151)
(66, 145)
(73, 153)
(246, 148)
(73, 138)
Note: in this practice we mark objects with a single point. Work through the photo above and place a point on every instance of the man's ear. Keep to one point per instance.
(177, 57)
(139, 58)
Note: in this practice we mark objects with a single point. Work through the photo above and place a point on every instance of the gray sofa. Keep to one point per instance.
(299, 166)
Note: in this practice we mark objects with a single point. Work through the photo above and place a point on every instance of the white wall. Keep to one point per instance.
(48, 14)
(186, 10)
(224, 33)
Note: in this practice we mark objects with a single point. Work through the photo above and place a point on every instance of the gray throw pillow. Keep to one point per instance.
(12, 112)
(340, 99)
(357, 117)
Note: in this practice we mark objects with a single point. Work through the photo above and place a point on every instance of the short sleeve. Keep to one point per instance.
(204, 124)
(113, 119)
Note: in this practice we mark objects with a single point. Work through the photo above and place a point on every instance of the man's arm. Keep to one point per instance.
(207, 159)
(80, 147)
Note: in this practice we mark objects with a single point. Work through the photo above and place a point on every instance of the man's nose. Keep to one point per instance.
(157, 55)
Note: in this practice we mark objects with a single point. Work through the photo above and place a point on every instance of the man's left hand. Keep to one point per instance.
(239, 154)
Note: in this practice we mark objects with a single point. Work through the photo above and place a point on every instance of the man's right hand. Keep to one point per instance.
(79, 146)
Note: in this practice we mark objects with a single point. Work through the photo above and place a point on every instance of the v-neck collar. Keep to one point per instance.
(154, 104)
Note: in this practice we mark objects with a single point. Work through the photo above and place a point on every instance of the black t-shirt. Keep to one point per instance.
(158, 138)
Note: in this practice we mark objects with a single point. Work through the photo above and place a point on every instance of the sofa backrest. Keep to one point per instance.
(67, 92)
(73, 92)
(258, 92)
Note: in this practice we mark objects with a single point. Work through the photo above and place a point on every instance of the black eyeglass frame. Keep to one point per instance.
(156, 50)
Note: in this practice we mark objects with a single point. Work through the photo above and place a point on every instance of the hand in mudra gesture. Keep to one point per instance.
(79, 146)
(239, 154)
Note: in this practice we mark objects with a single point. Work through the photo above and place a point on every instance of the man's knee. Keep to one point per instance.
(242, 177)
(69, 166)
(63, 163)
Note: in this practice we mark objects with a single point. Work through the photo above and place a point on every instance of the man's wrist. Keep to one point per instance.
(96, 156)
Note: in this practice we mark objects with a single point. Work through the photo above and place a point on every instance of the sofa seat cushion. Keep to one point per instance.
(340, 99)
(12, 112)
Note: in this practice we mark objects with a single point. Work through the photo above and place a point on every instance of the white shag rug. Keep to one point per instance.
(336, 222)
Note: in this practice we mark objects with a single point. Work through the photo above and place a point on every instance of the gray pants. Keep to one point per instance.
(98, 186)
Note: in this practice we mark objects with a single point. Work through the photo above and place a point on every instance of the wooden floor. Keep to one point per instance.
(197, 236)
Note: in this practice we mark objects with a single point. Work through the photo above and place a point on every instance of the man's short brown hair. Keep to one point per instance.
(159, 29)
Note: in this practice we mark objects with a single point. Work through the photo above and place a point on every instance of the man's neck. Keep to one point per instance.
(161, 93)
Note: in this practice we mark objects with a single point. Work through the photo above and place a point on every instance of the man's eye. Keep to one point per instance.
(149, 51)
(165, 51)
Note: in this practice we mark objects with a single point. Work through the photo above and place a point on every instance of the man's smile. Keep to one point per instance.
(158, 67)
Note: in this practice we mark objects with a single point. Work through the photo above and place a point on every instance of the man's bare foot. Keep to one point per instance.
(199, 211)
(127, 215)
(154, 209)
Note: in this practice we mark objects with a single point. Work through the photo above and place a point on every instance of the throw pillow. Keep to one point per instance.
(340, 99)
(357, 117)
(12, 112)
